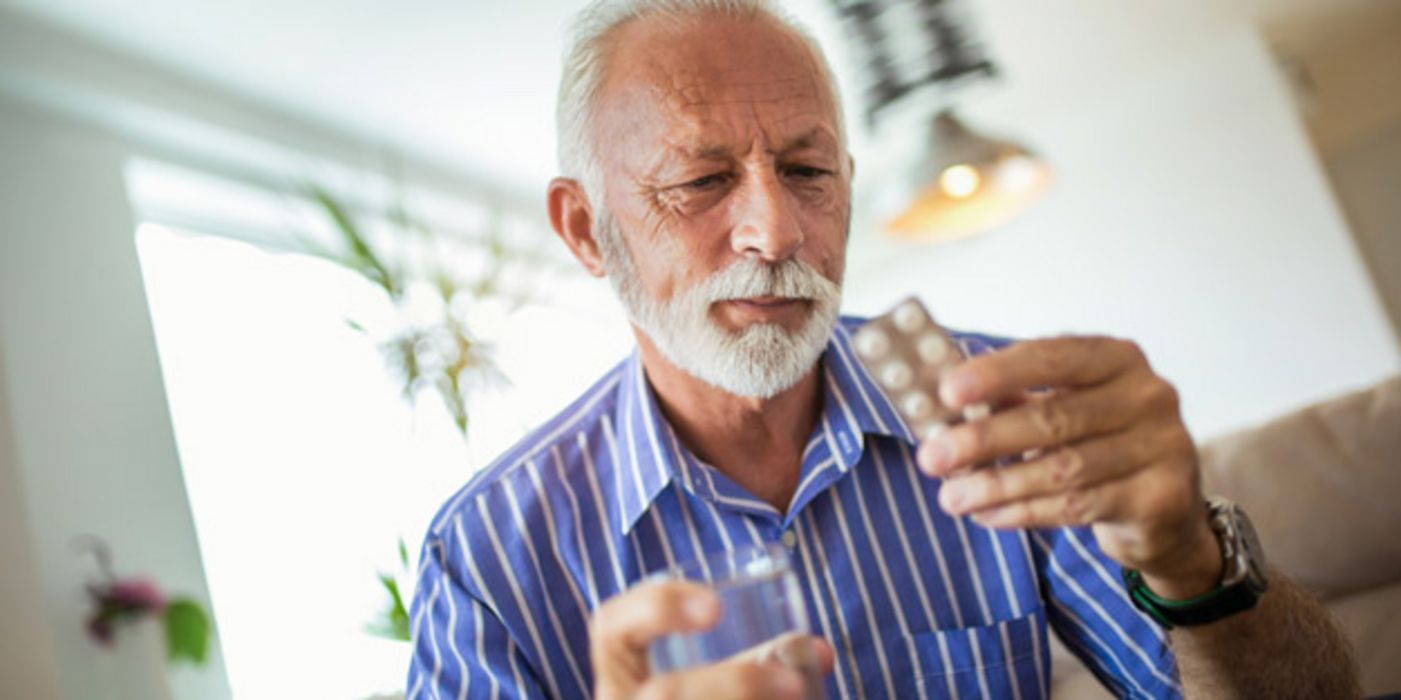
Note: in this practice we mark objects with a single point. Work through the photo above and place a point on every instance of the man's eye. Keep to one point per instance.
(805, 172)
(705, 183)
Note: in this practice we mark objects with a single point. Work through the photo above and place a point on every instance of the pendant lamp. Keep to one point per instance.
(919, 56)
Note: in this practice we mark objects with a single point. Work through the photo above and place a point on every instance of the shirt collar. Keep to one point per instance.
(854, 404)
(651, 456)
(645, 466)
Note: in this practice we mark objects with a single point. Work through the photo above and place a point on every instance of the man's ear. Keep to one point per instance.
(571, 217)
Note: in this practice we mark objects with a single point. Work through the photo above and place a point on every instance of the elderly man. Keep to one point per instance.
(709, 182)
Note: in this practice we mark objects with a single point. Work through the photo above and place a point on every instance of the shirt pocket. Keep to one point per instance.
(1006, 659)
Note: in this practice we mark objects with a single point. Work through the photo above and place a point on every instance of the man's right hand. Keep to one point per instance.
(624, 627)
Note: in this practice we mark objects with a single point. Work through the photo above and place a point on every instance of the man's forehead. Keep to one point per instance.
(696, 82)
(717, 59)
(701, 146)
(715, 83)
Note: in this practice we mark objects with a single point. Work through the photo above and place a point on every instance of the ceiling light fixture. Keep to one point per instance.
(921, 52)
(967, 183)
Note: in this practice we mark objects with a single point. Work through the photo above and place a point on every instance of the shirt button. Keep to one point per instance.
(789, 539)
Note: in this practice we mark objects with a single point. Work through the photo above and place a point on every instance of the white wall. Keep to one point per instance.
(1189, 215)
(27, 667)
(1367, 180)
(88, 423)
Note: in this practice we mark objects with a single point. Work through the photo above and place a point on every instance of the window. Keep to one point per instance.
(302, 461)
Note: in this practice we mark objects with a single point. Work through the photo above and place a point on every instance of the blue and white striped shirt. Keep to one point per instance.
(915, 603)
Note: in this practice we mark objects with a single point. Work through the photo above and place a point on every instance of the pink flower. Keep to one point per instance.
(136, 595)
(120, 602)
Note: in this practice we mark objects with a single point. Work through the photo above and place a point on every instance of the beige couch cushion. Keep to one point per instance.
(1323, 486)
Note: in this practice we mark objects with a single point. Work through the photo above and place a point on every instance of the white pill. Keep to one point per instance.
(976, 412)
(933, 348)
(872, 343)
(909, 317)
(917, 405)
(896, 375)
(935, 430)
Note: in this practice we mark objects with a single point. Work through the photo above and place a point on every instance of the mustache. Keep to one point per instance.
(791, 279)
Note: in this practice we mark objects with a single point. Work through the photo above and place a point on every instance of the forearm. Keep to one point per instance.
(1286, 647)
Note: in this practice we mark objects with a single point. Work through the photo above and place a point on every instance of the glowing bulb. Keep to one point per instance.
(959, 181)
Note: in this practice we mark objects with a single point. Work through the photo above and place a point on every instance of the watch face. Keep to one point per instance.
(1251, 553)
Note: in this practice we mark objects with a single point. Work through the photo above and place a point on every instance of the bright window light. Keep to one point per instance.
(303, 463)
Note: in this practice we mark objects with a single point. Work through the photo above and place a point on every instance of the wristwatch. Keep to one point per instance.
(1242, 578)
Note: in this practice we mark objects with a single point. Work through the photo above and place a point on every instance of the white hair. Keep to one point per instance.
(588, 52)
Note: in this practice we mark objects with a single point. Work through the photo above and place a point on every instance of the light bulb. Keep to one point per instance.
(959, 181)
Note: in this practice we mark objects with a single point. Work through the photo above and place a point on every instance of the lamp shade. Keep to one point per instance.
(967, 183)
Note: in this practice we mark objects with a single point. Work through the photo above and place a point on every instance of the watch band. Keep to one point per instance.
(1219, 603)
(1242, 583)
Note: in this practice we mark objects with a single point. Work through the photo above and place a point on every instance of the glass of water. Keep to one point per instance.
(760, 601)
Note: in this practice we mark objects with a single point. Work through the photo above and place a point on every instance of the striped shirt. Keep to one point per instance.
(916, 603)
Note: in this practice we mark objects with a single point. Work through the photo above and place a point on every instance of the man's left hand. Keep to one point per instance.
(1112, 452)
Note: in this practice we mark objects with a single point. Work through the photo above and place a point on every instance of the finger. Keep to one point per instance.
(823, 656)
(1042, 422)
(1021, 398)
(629, 622)
(794, 650)
(1053, 362)
(1077, 466)
(1134, 498)
(737, 679)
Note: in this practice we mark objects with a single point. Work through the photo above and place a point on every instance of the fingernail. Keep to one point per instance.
(934, 431)
(936, 455)
(952, 496)
(956, 388)
(788, 656)
(987, 518)
(700, 608)
(787, 682)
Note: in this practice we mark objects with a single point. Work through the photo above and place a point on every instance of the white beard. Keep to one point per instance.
(758, 361)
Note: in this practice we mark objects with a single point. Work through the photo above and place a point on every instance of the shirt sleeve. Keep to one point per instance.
(1090, 611)
(461, 648)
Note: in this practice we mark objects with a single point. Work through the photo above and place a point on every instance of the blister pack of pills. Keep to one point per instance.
(907, 353)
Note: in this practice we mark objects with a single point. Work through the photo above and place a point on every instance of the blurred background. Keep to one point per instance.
(275, 277)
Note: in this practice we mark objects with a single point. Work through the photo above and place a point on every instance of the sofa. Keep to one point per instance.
(1323, 487)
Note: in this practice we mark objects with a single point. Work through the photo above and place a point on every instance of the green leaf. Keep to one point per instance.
(395, 621)
(400, 618)
(366, 263)
(186, 631)
(396, 600)
(403, 554)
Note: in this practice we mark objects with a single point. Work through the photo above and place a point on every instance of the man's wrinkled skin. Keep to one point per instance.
(721, 140)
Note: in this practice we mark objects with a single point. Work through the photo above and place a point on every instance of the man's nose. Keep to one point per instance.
(766, 224)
